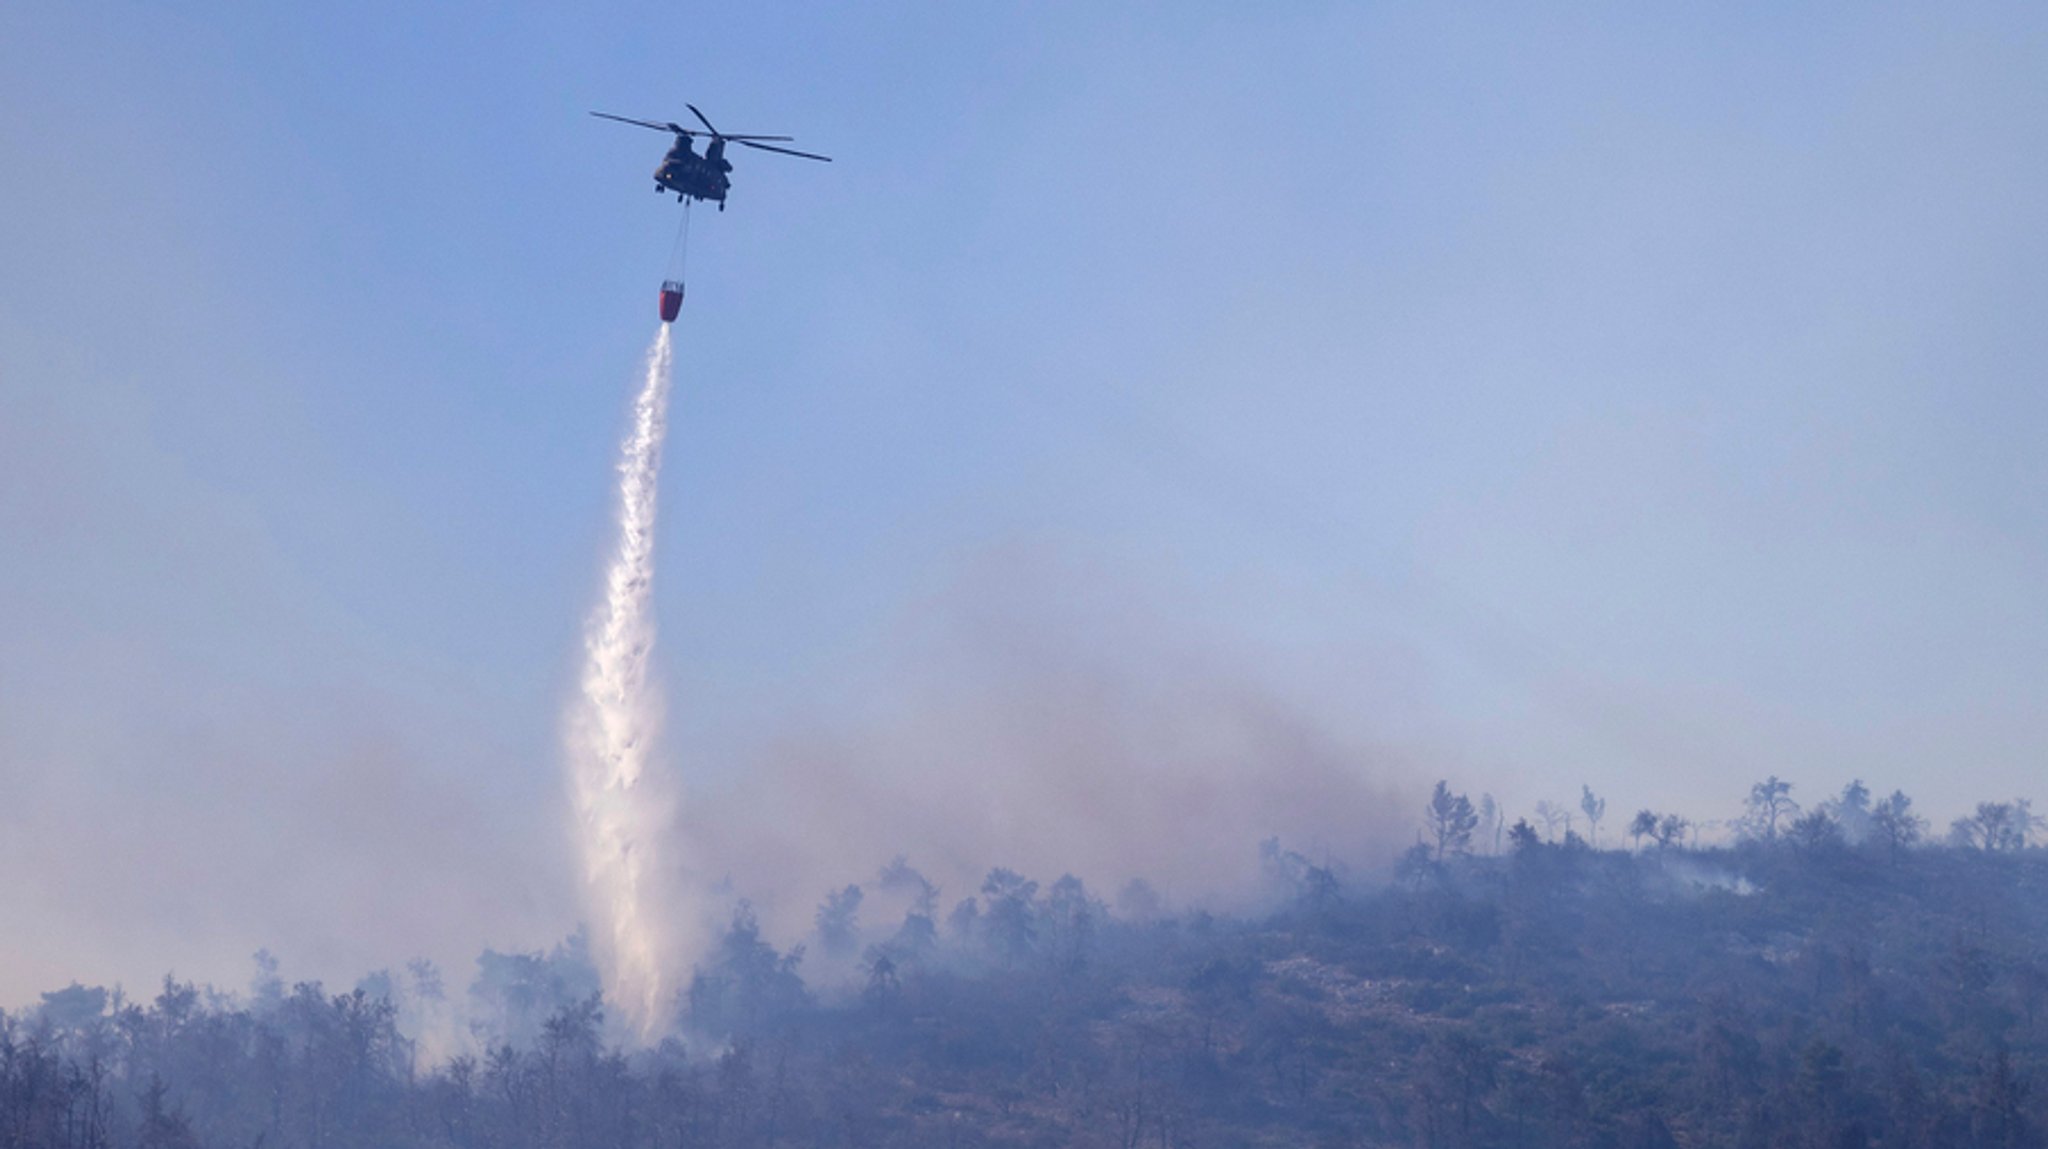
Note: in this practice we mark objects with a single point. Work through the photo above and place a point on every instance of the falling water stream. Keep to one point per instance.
(620, 807)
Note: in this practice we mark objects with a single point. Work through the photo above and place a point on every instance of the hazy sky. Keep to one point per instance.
(1161, 426)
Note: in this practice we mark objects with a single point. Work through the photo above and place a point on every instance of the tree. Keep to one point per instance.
(917, 937)
(1644, 825)
(1451, 821)
(965, 920)
(1320, 888)
(883, 984)
(899, 875)
(1770, 804)
(1553, 816)
(1815, 831)
(838, 921)
(74, 1007)
(1524, 836)
(1995, 827)
(1139, 902)
(1595, 809)
(1012, 912)
(266, 989)
(1895, 823)
(1670, 829)
(1291, 870)
(1490, 822)
(1071, 915)
(162, 1127)
(1415, 865)
(1851, 811)
(746, 985)
(2027, 821)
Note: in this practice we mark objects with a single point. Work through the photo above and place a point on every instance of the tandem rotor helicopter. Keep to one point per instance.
(692, 176)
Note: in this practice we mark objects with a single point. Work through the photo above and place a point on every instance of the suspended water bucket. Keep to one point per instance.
(671, 300)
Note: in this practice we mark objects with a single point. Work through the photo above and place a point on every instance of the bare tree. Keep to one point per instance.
(1595, 809)
(1770, 805)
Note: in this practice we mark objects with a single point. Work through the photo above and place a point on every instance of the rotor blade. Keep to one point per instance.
(785, 138)
(784, 151)
(643, 123)
(701, 119)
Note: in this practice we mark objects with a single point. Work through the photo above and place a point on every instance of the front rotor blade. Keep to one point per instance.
(757, 137)
(784, 151)
(701, 119)
(642, 123)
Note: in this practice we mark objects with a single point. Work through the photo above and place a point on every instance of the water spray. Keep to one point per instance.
(622, 809)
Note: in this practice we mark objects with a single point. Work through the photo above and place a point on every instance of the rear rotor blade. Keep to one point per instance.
(644, 123)
(784, 151)
(756, 137)
(701, 119)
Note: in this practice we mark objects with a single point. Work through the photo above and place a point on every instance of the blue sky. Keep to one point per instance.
(1642, 398)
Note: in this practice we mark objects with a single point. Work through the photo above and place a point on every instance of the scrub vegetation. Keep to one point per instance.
(1831, 976)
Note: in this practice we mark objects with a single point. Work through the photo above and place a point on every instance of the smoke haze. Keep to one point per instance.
(1700, 345)
(1089, 731)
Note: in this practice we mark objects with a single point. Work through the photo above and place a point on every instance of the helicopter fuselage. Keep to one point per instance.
(692, 176)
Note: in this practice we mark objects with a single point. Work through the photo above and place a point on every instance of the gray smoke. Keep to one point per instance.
(1050, 736)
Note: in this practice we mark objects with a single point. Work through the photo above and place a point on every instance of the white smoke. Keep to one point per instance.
(621, 809)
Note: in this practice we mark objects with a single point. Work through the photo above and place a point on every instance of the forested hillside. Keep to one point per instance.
(1827, 979)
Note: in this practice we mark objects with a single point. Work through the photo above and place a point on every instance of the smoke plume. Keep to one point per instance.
(620, 809)
(1037, 714)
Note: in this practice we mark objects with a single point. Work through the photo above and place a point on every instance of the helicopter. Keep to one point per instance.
(704, 177)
